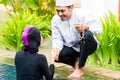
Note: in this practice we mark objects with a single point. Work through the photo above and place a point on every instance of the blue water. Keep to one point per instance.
(7, 72)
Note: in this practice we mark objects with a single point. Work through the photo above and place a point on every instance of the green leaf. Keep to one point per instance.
(5, 2)
(31, 4)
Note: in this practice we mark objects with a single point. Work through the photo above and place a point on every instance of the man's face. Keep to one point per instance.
(64, 12)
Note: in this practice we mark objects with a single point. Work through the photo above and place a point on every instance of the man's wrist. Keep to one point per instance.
(87, 27)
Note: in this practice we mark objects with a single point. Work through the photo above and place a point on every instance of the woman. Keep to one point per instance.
(29, 64)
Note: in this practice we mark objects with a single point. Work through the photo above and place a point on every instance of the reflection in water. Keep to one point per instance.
(7, 72)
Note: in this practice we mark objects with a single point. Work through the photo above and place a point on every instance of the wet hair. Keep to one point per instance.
(31, 39)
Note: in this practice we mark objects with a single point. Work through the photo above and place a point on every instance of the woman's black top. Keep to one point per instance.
(32, 66)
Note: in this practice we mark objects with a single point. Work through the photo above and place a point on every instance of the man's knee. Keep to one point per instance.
(91, 43)
(88, 34)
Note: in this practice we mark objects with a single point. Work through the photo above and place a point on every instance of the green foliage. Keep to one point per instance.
(25, 12)
(31, 4)
(42, 7)
(109, 49)
(10, 36)
(5, 2)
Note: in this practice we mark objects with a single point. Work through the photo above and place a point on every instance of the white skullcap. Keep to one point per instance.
(64, 2)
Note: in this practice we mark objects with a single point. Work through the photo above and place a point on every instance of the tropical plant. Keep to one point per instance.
(10, 36)
(43, 7)
(108, 53)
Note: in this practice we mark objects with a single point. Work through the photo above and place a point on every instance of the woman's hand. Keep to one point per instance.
(55, 54)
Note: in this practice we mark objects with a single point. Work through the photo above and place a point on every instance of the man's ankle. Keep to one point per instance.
(80, 69)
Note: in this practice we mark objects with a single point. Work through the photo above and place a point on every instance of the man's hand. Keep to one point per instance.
(55, 54)
(81, 27)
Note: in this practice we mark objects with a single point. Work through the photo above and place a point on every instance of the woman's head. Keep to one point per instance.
(31, 38)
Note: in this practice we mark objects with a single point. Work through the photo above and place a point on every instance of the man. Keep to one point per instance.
(73, 36)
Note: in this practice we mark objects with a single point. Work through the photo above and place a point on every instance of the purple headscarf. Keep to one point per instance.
(31, 39)
(25, 35)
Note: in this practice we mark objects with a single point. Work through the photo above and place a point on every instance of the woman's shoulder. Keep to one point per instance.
(42, 56)
(19, 52)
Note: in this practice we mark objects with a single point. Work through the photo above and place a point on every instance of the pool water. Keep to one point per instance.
(8, 72)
